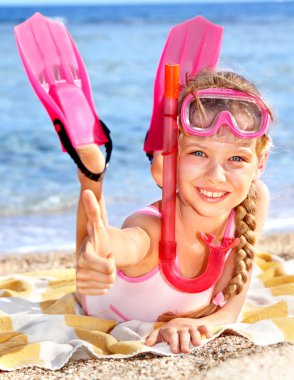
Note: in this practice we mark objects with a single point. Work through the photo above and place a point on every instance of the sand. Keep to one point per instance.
(227, 357)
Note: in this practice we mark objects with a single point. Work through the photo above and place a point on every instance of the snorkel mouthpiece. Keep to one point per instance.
(212, 273)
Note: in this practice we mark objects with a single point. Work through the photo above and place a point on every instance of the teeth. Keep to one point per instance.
(211, 194)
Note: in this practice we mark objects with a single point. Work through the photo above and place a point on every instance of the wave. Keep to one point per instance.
(44, 233)
(49, 205)
(146, 13)
(282, 224)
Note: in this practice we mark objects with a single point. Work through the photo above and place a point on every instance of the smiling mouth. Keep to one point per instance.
(212, 196)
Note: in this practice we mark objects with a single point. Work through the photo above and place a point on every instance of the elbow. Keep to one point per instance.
(230, 313)
(230, 316)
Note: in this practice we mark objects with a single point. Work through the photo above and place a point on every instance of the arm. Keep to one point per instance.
(129, 246)
(180, 332)
(262, 206)
(231, 310)
(93, 159)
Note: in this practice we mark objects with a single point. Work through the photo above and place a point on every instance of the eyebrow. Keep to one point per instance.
(245, 149)
(192, 145)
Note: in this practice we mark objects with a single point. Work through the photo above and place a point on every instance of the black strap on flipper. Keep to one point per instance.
(73, 154)
(148, 154)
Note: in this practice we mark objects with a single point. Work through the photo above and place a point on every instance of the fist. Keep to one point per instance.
(96, 270)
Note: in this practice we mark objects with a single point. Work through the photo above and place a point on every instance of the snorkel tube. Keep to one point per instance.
(167, 244)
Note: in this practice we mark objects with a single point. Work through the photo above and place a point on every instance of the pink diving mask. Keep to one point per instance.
(203, 112)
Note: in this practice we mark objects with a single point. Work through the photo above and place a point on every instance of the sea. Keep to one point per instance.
(121, 46)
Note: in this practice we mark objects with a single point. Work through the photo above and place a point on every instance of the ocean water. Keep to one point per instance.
(121, 46)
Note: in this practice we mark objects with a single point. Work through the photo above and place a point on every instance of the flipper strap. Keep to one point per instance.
(59, 127)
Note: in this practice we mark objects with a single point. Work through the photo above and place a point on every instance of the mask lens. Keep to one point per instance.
(204, 111)
(247, 114)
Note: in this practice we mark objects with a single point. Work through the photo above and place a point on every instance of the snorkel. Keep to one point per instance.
(167, 244)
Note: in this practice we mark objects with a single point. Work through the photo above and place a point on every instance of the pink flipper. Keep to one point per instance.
(58, 76)
(194, 44)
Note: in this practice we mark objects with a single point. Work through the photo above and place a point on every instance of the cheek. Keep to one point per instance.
(189, 169)
(243, 179)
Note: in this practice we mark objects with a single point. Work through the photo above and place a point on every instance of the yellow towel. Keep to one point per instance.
(42, 324)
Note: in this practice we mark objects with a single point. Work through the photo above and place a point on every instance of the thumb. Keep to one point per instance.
(111, 260)
(152, 338)
(92, 207)
(97, 233)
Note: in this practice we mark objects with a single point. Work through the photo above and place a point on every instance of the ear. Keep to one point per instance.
(262, 162)
(157, 167)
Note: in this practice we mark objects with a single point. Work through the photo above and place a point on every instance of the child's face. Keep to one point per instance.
(215, 173)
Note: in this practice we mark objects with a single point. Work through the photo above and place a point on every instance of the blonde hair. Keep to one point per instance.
(245, 211)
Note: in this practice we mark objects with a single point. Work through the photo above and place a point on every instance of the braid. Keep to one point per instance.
(245, 227)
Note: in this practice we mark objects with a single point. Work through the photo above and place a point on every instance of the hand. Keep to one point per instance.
(179, 333)
(96, 269)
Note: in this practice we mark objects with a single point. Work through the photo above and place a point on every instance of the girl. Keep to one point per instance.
(223, 150)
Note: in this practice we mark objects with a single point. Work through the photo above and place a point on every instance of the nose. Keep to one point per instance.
(215, 173)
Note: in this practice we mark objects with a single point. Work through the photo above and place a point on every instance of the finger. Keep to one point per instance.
(91, 262)
(204, 330)
(184, 340)
(85, 275)
(95, 279)
(87, 255)
(153, 338)
(92, 292)
(173, 340)
(97, 232)
(93, 285)
(92, 208)
(93, 217)
(195, 336)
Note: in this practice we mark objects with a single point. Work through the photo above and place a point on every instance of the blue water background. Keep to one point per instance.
(121, 46)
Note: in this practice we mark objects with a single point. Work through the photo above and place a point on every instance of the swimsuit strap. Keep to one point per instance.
(149, 210)
(230, 228)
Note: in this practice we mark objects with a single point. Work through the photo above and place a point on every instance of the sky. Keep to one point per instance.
(53, 2)
(45, 2)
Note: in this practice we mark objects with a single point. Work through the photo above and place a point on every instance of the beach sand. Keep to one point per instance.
(227, 357)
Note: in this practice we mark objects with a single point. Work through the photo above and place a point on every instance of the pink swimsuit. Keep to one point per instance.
(146, 297)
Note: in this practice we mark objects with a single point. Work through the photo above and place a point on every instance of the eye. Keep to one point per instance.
(198, 153)
(237, 159)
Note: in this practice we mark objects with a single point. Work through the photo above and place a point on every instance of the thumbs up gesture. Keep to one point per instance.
(96, 268)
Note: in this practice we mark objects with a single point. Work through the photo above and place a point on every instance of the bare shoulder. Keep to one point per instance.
(262, 204)
(148, 222)
(262, 191)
